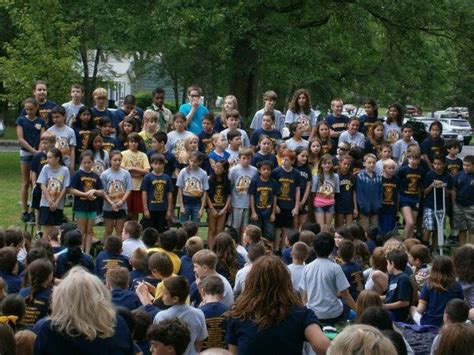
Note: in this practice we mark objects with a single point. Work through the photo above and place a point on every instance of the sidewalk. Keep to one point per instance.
(9, 143)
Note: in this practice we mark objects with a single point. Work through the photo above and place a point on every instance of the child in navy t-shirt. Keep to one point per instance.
(117, 281)
(213, 309)
(353, 271)
(193, 245)
(110, 257)
(400, 290)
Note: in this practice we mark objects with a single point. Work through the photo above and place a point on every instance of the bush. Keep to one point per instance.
(143, 99)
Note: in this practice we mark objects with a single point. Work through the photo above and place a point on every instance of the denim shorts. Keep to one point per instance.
(26, 159)
(325, 209)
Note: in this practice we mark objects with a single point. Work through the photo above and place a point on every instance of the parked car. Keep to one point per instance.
(460, 126)
(448, 134)
(437, 115)
(461, 112)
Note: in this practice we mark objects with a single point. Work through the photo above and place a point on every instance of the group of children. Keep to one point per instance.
(153, 277)
(141, 169)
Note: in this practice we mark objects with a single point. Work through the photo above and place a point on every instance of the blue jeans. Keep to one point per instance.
(191, 213)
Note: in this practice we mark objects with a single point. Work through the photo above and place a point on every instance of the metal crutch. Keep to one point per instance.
(440, 215)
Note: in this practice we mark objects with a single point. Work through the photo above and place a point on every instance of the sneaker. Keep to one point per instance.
(452, 240)
(99, 221)
(38, 235)
(25, 216)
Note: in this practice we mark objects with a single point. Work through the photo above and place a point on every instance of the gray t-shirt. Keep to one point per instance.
(257, 120)
(65, 140)
(399, 150)
(71, 111)
(233, 157)
(192, 317)
(308, 121)
(330, 184)
(192, 182)
(240, 278)
(240, 179)
(357, 140)
(130, 245)
(55, 181)
(292, 144)
(323, 280)
(175, 143)
(116, 184)
(296, 271)
(244, 136)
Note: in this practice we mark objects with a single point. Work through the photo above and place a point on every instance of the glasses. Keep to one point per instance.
(195, 95)
(343, 149)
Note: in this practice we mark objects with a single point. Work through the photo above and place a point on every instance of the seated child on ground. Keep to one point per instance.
(117, 280)
(110, 257)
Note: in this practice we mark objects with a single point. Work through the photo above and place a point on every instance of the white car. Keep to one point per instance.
(461, 112)
(460, 126)
(448, 134)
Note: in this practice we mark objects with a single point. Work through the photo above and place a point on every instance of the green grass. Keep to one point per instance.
(10, 179)
(10, 208)
(10, 133)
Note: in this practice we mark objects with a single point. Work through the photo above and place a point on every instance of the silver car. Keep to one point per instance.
(460, 126)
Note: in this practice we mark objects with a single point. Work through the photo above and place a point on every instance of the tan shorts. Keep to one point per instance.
(463, 217)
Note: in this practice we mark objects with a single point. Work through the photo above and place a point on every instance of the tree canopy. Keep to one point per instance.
(414, 52)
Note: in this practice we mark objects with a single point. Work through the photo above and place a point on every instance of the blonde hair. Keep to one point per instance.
(150, 115)
(389, 162)
(81, 305)
(361, 339)
(99, 92)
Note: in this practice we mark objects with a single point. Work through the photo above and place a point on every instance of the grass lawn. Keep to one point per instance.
(10, 208)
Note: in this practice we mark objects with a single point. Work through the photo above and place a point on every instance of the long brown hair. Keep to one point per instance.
(226, 253)
(442, 274)
(457, 338)
(366, 299)
(268, 295)
(294, 105)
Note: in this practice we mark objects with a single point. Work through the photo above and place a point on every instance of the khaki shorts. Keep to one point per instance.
(463, 217)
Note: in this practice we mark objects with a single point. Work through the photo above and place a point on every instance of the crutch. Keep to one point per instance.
(440, 215)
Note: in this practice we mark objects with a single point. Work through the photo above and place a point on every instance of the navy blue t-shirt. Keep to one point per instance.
(429, 179)
(258, 157)
(436, 301)
(170, 161)
(85, 181)
(399, 289)
(39, 160)
(149, 279)
(453, 166)
(136, 274)
(288, 181)
(374, 148)
(125, 298)
(216, 324)
(157, 188)
(63, 265)
(366, 122)
(82, 138)
(263, 193)
(390, 190)
(43, 111)
(411, 181)
(51, 341)
(286, 337)
(306, 175)
(187, 268)
(344, 199)
(354, 274)
(37, 307)
(97, 114)
(106, 261)
(120, 114)
(219, 191)
(464, 185)
(274, 135)
(432, 147)
(205, 145)
(337, 124)
(31, 130)
(13, 282)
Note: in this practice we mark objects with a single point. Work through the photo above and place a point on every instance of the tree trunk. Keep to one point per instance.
(85, 78)
(243, 77)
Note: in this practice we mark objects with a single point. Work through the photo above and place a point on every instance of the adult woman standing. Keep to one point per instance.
(269, 317)
(83, 320)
